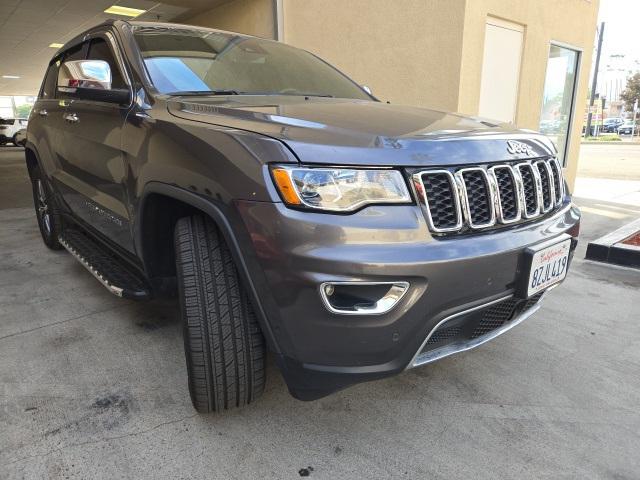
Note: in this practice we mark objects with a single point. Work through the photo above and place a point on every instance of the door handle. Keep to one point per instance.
(43, 113)
(71, 118)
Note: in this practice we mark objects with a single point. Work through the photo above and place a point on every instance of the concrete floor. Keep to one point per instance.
(92, 386)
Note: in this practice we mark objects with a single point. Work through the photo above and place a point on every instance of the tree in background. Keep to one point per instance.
(631, 92)
(23, 111)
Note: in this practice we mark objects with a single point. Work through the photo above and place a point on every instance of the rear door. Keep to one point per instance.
(46, 121)
(94, 170)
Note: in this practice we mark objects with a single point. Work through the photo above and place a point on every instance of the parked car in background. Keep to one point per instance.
(627, 128)
(610, 125)
(9, 127)
(550, 127)
(20, 138)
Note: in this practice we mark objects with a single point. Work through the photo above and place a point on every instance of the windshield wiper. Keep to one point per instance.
(204, 92)
(236, 92)
(302, 94)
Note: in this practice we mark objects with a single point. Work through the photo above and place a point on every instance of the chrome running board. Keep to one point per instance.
(106, 268)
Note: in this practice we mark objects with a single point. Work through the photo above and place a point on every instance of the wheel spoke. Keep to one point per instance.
(42, 208)
(41, 195)
(46, 220)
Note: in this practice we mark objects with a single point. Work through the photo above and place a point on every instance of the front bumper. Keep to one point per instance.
(320, 352)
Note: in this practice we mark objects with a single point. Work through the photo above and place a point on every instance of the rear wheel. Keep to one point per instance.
(46, 211)
(224, 346)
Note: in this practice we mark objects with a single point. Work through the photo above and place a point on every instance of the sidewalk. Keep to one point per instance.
(607, 191)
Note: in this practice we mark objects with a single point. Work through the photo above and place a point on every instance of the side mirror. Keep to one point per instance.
(90, 80)
(367, 89)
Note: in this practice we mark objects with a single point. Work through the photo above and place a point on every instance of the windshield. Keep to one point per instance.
(199, 60)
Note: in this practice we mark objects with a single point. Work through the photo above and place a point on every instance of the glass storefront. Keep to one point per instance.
(18, 106)
(559, 96)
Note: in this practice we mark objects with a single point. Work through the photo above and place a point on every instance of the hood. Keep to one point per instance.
(358, 132)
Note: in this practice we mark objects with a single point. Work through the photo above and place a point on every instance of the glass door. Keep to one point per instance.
(559, 97)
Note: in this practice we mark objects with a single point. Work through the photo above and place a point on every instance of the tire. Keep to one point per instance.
(224, 347)
(46, 211)
(14, 140)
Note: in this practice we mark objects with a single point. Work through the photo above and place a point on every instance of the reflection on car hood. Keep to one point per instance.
(344, 131)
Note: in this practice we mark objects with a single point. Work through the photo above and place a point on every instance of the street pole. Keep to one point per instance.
(594, 84)
(633, 125)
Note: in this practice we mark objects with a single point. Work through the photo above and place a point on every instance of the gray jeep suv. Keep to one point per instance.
(288, 209)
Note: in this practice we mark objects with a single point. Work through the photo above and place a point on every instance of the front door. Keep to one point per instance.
(93, 170)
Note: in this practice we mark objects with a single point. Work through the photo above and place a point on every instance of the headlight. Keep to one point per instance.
(339, 189)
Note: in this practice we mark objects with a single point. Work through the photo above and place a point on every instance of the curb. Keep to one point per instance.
(610, 143)
(609, 249)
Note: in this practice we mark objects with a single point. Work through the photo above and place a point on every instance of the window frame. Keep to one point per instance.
(118, 58)
(574, 94)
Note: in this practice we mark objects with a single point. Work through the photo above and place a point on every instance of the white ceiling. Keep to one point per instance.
(28, 27)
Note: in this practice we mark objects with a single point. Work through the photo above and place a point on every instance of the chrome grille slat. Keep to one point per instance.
(556, 171)
(530, 196)
(437, 187)
(546, 185)
(481, 197)
(478, 197)
(509, 203)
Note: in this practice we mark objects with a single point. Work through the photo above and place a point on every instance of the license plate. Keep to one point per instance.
(549, 266)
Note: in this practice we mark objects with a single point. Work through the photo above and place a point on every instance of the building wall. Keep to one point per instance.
(407, 52)
(253, 17)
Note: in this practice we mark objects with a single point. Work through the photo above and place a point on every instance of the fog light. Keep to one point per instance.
(362, 298)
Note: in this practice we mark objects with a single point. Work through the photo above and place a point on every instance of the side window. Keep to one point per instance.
(50, 81)
(100, 50)
(79, 52)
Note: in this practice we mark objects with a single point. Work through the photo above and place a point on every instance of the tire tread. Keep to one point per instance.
(224, 346)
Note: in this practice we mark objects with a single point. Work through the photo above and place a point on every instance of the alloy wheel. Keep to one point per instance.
(43, 208)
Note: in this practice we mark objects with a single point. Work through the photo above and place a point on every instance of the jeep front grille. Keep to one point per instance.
(482, 197)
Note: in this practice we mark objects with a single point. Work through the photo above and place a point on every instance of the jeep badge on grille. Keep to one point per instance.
(515, 148)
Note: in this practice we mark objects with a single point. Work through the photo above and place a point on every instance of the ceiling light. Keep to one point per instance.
(10, 76)
(125, 11)
(56, 45)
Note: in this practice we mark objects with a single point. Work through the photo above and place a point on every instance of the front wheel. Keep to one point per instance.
(224, 347)
(46, 211)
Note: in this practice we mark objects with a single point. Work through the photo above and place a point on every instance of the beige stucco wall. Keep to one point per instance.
(254, 17)
(407, 51)
(570, 22)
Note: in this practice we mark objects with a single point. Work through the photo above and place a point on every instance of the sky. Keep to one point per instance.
(622, 19)
(620, 49)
